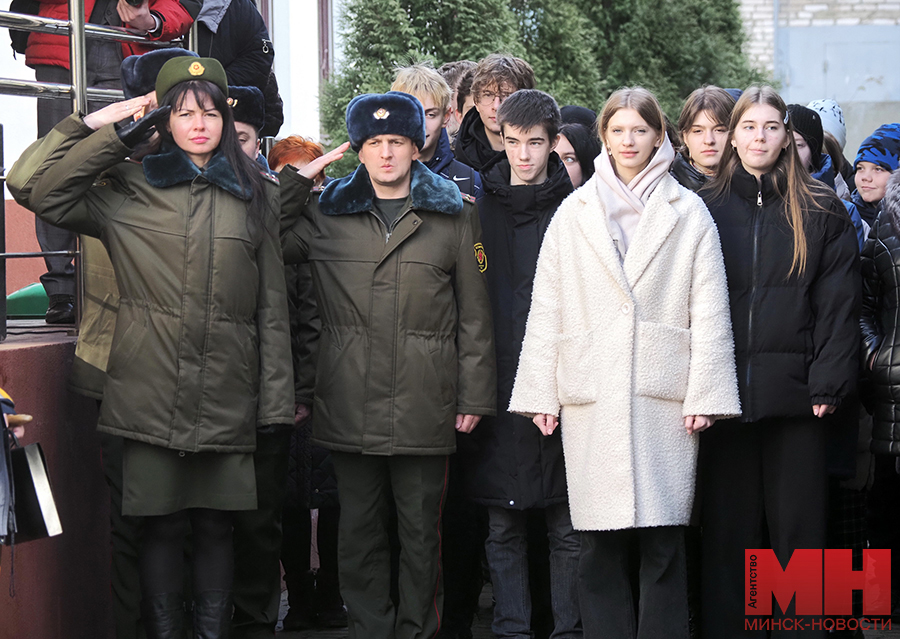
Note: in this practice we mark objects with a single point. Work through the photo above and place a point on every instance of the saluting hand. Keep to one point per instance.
(116, 112)
(318, 165)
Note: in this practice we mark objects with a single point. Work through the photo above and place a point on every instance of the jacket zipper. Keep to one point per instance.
(757, 215)
(389, 230)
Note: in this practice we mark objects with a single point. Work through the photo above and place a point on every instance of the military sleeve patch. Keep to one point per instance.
(481, 257)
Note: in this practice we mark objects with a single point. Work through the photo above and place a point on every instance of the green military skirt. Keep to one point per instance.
(161, 481)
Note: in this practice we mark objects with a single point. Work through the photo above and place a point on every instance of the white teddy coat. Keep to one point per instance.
(626, 350)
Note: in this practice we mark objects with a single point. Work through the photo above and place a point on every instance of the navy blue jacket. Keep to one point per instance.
(444, 164)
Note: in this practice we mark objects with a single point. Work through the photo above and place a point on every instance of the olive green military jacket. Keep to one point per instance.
(406, 340)
(201, 350)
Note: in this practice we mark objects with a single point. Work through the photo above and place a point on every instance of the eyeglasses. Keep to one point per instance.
(488, 97)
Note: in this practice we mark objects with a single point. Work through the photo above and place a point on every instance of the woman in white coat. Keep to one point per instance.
(629, 342)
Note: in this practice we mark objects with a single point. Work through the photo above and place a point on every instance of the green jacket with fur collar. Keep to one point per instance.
(407, 340)
(201, 351)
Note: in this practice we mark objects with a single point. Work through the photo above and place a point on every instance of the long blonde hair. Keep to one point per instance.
(791, 180)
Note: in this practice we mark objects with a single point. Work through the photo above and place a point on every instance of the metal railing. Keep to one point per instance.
(79, 94)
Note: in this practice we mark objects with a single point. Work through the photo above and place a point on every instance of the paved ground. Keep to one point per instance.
(482, 627)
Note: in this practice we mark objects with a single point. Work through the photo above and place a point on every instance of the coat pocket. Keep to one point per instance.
(575, 369)
(662, 361)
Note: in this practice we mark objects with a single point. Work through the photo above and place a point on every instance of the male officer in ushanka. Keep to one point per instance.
(405, 355)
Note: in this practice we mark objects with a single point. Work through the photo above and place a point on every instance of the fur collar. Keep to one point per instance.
(354, 194)
(172, 166)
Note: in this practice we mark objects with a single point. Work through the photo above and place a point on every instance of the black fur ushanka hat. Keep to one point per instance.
(391, 113)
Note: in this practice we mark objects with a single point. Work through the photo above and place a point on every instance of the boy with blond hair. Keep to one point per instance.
(425, 84)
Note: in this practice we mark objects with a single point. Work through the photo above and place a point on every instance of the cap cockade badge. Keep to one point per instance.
(232, 102)
(381, 114)
(196, 69)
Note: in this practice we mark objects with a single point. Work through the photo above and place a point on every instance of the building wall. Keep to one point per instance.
(845, 50)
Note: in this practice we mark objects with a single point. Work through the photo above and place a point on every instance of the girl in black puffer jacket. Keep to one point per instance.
(881, 319)
(791, 258)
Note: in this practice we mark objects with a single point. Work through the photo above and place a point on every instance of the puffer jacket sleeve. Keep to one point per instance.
(305, 329)
(276, 376)
(477, 377)
(295, 226)
(712, 378)
(535, 389)
(56, 177)
(835, 296)
(872, 290)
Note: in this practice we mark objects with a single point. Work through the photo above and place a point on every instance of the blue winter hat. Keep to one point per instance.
(881, 148)
(139, 71)
(391, 113)
(247, 105)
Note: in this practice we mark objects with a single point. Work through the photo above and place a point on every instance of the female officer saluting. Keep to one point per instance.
(200, 355)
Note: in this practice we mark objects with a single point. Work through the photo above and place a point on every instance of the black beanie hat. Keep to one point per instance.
(391, 113)
(139, 71)
(808, 124)
(248, 105)
(574, 114)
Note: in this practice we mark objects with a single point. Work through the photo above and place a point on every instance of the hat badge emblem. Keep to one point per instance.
(196, 69)
(382, 114)
(232, 102)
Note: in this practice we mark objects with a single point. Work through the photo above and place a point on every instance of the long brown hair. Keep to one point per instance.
(791, 180)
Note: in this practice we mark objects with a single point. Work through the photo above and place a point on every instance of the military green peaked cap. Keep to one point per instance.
(187, 68)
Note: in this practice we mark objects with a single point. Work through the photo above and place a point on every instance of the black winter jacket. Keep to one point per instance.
(880, 324)
(472, 145)
(506, 460)
(241, 43)
(462, 175)
(688, 176)
(795, 338)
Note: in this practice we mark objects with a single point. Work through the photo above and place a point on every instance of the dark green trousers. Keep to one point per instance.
(257, 542)
(366, 484)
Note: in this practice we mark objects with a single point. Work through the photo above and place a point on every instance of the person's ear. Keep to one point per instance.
(554, 142)
(447, 117)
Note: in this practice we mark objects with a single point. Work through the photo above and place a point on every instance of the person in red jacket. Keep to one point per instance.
(48, 55)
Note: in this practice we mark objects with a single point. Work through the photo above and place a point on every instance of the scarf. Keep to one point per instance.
(625, 203)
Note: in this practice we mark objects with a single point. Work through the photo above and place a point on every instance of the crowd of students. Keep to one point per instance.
(637, 339)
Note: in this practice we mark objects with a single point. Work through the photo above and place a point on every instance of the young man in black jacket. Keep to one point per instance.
(509, 465)
(495, 78)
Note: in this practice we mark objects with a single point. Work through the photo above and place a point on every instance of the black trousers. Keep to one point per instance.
(763, 485)
(612, 605)
(257, 542)
(417, 485)
(125, 535)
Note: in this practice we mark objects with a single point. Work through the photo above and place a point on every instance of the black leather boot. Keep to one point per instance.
(61, 310)
(163, 616)
(212, 614)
